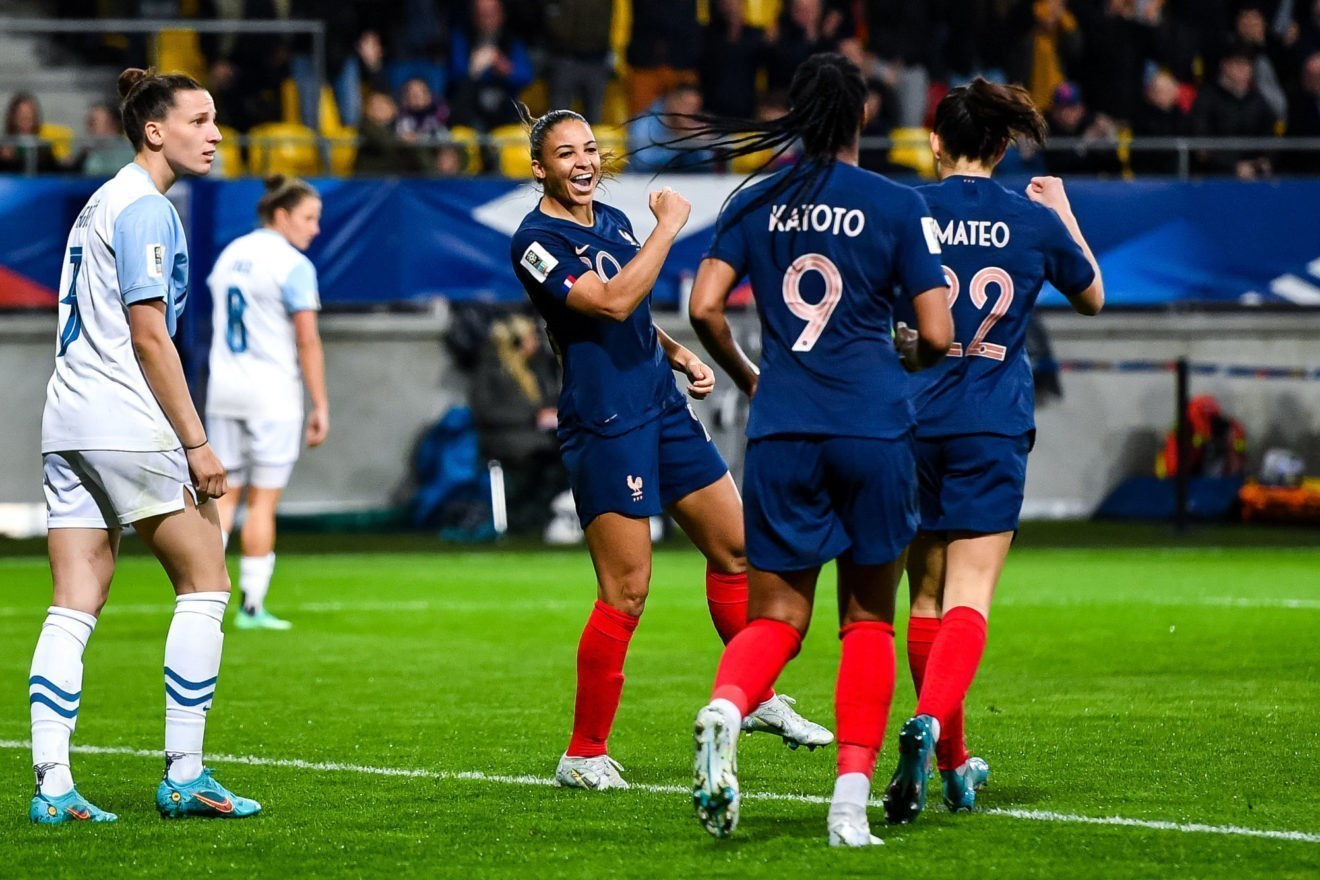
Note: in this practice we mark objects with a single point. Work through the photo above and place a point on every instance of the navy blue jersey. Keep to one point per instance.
(999, 248)
(616, 376)
(826, 276)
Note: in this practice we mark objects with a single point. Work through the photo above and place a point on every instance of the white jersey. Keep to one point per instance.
(257, 284)
(127, 246)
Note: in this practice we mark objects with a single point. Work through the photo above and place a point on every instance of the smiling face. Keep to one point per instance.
(187, 136)
(299, 224)
(569, 164)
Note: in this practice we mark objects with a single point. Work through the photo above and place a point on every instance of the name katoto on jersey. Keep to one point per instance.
(817, 218)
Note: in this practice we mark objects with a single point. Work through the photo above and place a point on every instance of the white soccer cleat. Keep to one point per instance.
(848, 826)
(715, 792)
(595, 774)
(777, 715)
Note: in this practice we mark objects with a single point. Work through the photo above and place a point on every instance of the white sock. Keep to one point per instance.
(55, 692)
(853, 790)
(254, 580)
(192, 665)
(224, 539)
(729, 710)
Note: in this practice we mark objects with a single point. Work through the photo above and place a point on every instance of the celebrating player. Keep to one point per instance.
(122, 445)
(264, 338)
(829, 468)
(975, 421)
(632, 447)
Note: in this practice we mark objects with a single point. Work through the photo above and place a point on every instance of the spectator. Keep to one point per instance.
(1056, 47)
(732, 56)
(1250, 28)
(1232, 106)
(420, 117)
(879, 123)
(902, 37)
(24, 118)
(1096, 136)
(1119, 44)
(649, 134)
(514, 394)
(805, 28)
(105, 149)
(245, 71)
(382, 151)
(489, 67)
(578, 50)
(1304, 117)
(663, 50)
(1159, 115)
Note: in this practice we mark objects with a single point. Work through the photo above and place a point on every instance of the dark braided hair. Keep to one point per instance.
(978, 120)
(146, 96)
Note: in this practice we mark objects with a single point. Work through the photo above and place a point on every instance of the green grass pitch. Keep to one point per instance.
(408, 724)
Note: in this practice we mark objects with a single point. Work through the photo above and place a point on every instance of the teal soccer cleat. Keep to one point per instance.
(262, 619)
(906, 796)
(962, 783)
(202, 797)
(71, 807)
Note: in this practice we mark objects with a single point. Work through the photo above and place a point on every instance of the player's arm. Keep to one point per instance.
(311, 361)
(934, 333)
(715, 279)
(163, 371)
(1049, 192)
(617, 298)
(701, 378)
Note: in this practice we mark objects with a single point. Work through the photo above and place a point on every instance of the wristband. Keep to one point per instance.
(198, 446)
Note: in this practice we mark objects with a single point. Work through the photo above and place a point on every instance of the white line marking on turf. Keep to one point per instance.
(477, 776)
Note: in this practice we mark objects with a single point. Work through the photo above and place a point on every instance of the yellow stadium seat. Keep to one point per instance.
(912, 149)
(537, 97)
(179, 51)
(613, 139)
(750, 162)
(343, 150)
(283, 148)
(230, 153)
(515, 159)
(60, 137)
(614, 110)
(290, 109)
(328, 118)
(470, 143)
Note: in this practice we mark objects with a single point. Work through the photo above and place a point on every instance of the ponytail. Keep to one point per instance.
(979, 120)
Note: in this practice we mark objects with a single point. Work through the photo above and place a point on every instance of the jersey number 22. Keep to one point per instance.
(981, 281)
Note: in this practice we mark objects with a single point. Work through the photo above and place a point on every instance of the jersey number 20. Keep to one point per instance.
(236, 333)
(981, 281)
(817, 314)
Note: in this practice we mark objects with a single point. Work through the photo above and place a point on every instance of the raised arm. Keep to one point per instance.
(1049, 192)
(715, 279)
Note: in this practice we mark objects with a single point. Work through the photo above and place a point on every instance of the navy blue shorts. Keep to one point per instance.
(642, 471)
(810, 499)
(972, 482)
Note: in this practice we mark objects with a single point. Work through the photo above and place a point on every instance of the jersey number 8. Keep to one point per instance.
(981, 281)
(235, 332)
(817, 315)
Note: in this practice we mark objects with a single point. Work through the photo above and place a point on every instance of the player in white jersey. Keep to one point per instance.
(123, 445)
(264, 348)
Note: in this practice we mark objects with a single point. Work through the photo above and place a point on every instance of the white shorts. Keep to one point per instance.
(106, 489)
(256, 452)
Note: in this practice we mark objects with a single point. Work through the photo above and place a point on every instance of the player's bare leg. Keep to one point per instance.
(257, 564)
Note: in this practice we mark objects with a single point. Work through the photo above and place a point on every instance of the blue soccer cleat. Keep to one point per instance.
(906, 796)
(70, 807)
(962, 783)
(202, 797)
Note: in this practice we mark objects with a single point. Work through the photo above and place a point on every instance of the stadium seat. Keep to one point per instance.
(613, 139)
(230, 153)
(750, 162)
(283, 148)
(912, 149)
(536, 96)
(180, 51)
(470, 142)
(614, 111)
(343, 138)
(60, 137)
(511, 146)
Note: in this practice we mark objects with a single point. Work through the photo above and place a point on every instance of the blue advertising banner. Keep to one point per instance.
(1160, 243)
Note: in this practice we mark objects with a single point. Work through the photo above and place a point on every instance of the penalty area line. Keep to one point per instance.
(498, 779)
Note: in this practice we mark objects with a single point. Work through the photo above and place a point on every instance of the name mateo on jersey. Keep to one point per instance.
(821, 218)
(978, 233)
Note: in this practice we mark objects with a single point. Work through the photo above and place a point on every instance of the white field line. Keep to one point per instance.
(476, 776)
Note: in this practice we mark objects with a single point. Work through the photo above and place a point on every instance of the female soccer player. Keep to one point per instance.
(975, 421)
(264, 348)
(829, 469)
(122, 445)
(631, 445)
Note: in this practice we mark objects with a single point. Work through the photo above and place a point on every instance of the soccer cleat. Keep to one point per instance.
(961, 784)
(777, 715)
(262, 619)
(202, 797)
(906, 796)
(49, 809)
(848, 826)
(715, 792)
(597, 773)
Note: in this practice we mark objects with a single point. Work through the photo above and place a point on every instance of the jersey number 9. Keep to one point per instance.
(817, 314)
(981, 281)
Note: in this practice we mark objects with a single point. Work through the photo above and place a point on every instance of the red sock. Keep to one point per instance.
(954, 658)
(753, 660)
(726, 596)
(600, 657)
(951, 750)
(864, 691)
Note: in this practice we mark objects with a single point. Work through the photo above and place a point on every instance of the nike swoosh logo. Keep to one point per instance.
(79, 814)
(224, 806)
(581, 250)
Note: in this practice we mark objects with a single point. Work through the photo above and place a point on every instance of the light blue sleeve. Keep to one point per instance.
(146, 238)
(299, 289)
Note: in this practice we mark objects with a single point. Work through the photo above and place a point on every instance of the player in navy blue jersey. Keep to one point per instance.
(632, 446)
(830, 249)
(975, 421)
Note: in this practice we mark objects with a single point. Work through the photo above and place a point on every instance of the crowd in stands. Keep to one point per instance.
(420, 82)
